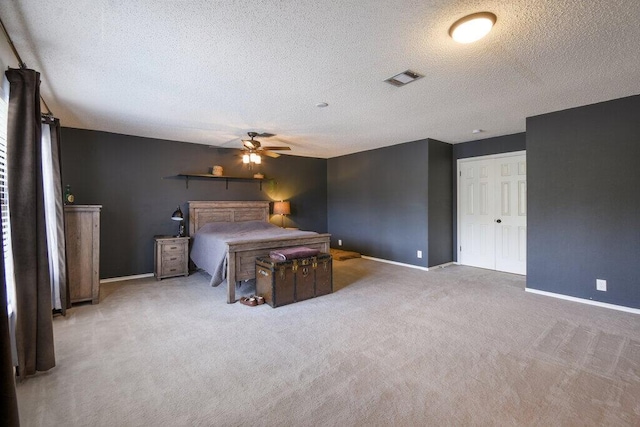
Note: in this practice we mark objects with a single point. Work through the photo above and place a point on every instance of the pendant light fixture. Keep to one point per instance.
(251, 158)
(472, 27)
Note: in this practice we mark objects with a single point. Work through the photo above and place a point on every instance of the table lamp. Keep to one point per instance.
(178, 216)
(282, 208)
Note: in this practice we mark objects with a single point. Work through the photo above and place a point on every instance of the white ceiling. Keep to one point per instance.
(208, 71)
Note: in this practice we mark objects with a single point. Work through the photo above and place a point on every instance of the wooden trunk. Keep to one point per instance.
(286, 282)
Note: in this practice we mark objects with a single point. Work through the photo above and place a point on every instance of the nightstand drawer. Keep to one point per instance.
(170, 268)
(173, 257)
(172, 248)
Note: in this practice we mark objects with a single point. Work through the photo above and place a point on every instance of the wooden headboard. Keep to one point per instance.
(201, 213)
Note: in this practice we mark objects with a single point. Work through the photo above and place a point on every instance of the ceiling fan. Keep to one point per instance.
(251, 146)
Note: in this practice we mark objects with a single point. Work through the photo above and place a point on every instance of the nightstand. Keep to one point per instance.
(171, 256)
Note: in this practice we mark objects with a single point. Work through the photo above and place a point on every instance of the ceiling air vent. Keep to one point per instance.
(403, 78)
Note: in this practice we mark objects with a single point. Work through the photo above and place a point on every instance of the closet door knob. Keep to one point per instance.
(498, 221)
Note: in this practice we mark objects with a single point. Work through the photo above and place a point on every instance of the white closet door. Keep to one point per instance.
(477, 231)
(511, 214)
(492, 213)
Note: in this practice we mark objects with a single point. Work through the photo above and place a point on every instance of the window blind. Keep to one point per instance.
(4, 203)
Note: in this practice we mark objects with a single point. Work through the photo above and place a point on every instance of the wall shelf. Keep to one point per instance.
(187, 176)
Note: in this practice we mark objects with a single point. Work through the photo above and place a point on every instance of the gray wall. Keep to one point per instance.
(440, 199)
(583, 201)
(379, 201)
(482, 147)
(486, 147)
(125, 175)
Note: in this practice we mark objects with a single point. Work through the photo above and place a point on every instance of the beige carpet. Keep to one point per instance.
(393, 346)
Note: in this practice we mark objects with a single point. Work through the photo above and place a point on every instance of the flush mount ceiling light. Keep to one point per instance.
(404, 78)
(473, 27)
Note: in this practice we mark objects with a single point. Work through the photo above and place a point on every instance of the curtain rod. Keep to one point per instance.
(20, 61)
(12, 46)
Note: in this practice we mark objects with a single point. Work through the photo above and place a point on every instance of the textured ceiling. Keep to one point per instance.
(209, 71)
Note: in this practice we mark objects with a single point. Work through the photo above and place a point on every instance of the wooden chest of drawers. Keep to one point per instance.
(286, 282)
(82, 233)
(171, 256)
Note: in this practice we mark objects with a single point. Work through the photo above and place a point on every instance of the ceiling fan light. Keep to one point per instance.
(245, 159)
(252, 157)
(473, 27)
(258, 159)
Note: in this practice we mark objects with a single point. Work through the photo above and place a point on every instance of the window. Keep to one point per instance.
(4, 200)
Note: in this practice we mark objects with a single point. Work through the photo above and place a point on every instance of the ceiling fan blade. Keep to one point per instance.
(266, 135)
(270, 154)
(277, 148)
(250, 144)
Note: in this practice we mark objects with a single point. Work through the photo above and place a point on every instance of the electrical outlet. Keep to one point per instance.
(601, 285)
(419, 254)
(339, 242)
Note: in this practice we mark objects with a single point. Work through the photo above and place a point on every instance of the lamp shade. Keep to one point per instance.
(177, 215)
(281, 208)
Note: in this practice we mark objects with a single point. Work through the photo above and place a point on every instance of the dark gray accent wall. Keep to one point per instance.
(440, 199)
(584, 201)
(482, 147)
(486, 147)
(379, 201)
(134, 179)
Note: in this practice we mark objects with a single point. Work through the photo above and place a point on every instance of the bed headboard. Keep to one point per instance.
(201, 213)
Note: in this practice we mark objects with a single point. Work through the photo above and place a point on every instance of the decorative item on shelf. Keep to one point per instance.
(282, 208)
(178, 216)
(69, 199)
(258, 176)
(216, 170)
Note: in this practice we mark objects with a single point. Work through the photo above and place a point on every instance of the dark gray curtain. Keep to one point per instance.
(9, 406)
(34, 325)
(56, 167)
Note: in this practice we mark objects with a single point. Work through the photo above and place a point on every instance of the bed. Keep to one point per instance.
(239, 253)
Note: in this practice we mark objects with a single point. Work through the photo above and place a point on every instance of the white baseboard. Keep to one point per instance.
(417, 267)
(585, 301)
(120, 279)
